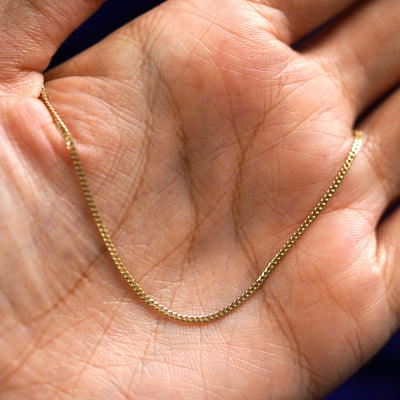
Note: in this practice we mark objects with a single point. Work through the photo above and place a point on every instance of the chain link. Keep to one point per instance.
(127, 275)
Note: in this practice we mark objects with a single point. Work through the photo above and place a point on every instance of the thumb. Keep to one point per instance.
(32, 30)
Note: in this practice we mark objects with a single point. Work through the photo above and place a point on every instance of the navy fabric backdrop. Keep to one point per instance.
(380, 378)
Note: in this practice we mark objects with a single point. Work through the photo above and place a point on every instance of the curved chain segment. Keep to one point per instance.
(127, 275)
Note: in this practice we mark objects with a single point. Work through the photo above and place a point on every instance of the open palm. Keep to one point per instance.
(207, 140)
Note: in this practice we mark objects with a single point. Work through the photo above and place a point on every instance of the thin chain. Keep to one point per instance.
(127, 275)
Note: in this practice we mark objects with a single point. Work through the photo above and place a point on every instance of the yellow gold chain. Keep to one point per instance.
(127, 275)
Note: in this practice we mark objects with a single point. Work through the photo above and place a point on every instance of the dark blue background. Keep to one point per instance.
(380, 378)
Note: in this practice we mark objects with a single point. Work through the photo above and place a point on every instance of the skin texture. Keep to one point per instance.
(207, 140)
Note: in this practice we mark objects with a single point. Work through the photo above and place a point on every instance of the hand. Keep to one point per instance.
(207, 140)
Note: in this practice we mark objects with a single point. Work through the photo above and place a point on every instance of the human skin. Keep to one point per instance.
(207, 139)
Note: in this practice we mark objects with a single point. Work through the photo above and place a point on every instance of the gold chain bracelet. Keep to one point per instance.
(127, 275)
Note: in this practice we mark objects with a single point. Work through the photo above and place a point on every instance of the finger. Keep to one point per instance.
(389, 260)
(379, 159)
(300, 17)
(31, 31)
(362, 52)
(288, 20)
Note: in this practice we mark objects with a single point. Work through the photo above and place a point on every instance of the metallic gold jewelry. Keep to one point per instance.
(129, 278)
